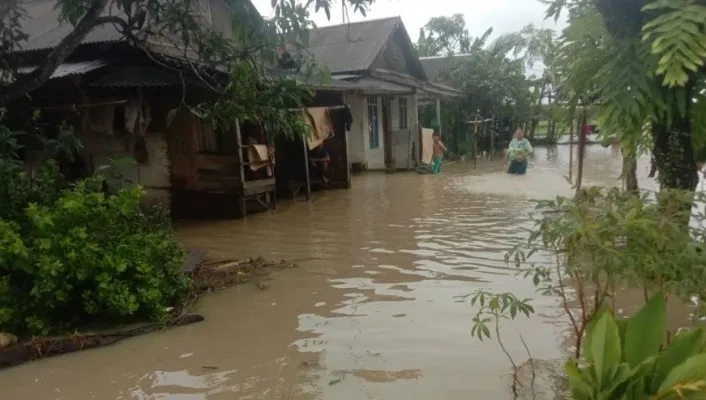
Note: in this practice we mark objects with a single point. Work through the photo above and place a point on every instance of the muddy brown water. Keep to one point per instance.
(375, 309)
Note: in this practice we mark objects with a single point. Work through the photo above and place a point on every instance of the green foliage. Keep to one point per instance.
(70, 255)
(624, 359)
(677, 35)
(87, 258)
(496, 307)
(639, 62)
(610, 238)
(494, 83)
(445, 36)
(491, 73)
(261, 99)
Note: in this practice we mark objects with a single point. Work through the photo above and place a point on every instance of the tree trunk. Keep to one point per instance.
(61, 52)
(551, 128)
(581, 152)
(629, 173)
(674, 156)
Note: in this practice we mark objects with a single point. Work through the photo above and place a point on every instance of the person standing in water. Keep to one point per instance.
(438, 154)
(518, 151)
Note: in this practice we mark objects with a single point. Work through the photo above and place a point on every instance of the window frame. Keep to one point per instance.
(373, 122)
(403, 120)
(218, 140)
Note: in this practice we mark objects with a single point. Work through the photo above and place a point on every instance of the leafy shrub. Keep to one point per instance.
(86, 258)
(624, 359)
(71, 255)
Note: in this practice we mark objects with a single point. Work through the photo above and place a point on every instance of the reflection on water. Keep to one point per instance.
(375, 310)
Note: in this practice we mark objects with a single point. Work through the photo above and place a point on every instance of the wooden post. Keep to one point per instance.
(492, 140)
(475, 140)
(438, 115)
(306, 169)
(241, 166)
(581, 149)
(344, 100)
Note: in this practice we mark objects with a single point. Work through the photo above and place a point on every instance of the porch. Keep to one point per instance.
(386, 134)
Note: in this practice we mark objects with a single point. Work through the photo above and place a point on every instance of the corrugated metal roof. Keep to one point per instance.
(380, 86)
(45, 31)
(436, 66)
(138, 76)
(331, 84)
(439, 90)
(69, 68)
(351, 47)
(346, 76)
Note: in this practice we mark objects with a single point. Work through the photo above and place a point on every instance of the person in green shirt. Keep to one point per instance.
(518, 151)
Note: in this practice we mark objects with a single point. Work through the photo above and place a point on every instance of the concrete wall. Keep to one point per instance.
(356, 144)
(359, 149)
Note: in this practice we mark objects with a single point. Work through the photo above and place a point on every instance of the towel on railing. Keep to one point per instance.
(258, 157)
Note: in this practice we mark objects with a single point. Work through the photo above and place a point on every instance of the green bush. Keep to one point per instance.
(86, 258)
(71, 255)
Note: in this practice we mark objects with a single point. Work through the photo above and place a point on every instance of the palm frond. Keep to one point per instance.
(678, 36)
(506, 43)
(629, 93)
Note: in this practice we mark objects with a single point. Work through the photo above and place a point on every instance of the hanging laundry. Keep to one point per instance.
(132, 113)
(320, 123)
(342, 119)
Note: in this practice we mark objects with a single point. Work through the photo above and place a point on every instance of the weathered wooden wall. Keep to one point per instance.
(153, 175)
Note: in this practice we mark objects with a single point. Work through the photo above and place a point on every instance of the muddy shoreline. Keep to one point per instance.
(206, 276)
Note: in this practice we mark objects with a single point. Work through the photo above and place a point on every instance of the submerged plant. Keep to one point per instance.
(493, 309)
(607, 239)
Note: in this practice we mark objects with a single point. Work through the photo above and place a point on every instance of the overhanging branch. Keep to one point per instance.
(61, 52)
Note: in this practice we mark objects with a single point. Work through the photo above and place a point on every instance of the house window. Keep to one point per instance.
(403, 113)
(373, 126)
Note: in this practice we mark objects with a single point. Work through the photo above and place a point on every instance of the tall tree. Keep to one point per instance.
(643, 62)
(489, 72)
(443, 36)
(540, 46)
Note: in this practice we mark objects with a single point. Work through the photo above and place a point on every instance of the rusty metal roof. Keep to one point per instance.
(69, 68)
(45, 31)
(351, 47)
(138, 76)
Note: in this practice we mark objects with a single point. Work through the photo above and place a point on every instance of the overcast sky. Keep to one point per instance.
(503, 15)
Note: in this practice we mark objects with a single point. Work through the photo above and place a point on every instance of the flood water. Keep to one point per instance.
(375, 309)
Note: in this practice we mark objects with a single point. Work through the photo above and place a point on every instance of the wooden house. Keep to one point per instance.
(123, 103)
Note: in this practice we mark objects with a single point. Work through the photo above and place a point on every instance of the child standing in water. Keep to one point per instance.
(438, 155)
(518, 151)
